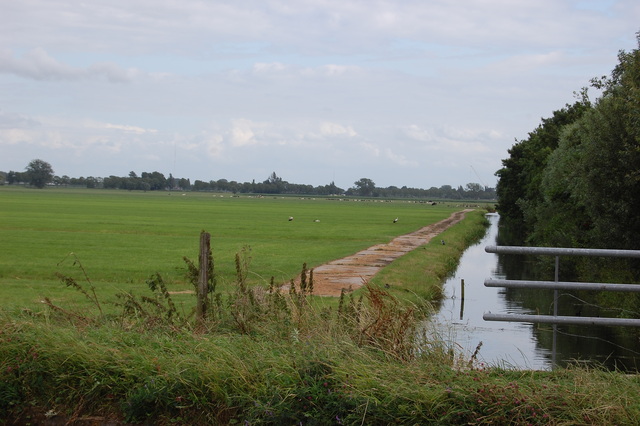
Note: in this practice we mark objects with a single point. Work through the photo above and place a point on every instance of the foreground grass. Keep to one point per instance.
(271, 358)
(323, 369)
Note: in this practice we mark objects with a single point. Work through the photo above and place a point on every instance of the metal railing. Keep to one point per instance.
(561, 285)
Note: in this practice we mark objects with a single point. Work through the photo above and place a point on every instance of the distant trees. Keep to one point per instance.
(16, 177)
(147, 181)
(39, 173)
(473, 191)
(364, 187)
(274, 184)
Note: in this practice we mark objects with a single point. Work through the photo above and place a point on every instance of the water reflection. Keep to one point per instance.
(517, 345)
(510, 345)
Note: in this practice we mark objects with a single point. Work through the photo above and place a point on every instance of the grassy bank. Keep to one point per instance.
(312, 368)
(419, 274)
(272, 358)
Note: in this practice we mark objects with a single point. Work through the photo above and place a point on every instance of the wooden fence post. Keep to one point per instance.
(461, 298)
(203, 279)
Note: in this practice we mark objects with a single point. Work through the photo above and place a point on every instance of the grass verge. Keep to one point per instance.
(418, 275)
(323, 370)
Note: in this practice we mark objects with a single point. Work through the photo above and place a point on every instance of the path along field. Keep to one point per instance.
(121, 238)
(353, 271)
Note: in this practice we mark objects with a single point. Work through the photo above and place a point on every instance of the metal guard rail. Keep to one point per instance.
(560, 285)
(556, 285)
(559, 251)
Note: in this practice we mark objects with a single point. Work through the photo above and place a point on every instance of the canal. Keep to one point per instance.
(521, 345)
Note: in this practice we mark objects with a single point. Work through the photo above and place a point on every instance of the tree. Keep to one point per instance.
(519, 187)
(364, 187)
(474, 190)
(171, 182)
(155, 181)
(39, 173)
(576, 180)
(273, 179)
(91, 182)
(184, 184)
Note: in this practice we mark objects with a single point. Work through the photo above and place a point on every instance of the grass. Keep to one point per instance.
(261, 357)
(318, 370)
(418, 275)
(122, 237)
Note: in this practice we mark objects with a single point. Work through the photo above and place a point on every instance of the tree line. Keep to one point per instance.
(575, 180)
(39, 173)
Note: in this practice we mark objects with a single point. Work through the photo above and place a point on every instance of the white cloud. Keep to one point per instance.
(39, 65)
(15, 136)
(262, 67)
(129, 129)
(335, 129)
(242, 133)
(371, 148)
(385, 89)
(463, 142)
(400, 159)
(335, 70)
(214, 145)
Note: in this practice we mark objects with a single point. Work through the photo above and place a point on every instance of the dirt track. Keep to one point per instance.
(353, 271)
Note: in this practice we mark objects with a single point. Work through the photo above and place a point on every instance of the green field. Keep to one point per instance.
(121, 238)
(258, 358)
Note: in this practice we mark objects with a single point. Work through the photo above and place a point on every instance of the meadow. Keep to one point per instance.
(120, 238)
(260, 357)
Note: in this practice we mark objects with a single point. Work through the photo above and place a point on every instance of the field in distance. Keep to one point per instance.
(121, 238)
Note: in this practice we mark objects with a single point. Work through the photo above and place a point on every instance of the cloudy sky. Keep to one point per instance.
(419, 93)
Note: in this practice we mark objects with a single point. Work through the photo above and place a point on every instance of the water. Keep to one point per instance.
(520, 345)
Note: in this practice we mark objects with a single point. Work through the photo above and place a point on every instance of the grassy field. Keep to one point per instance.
(260, 358)
(120, 238)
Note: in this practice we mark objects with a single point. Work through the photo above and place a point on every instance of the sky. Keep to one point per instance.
(417, 93)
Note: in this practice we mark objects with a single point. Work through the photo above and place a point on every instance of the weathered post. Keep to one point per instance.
(203, 278)
(462, 299)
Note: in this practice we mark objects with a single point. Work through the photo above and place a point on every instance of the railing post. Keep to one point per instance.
(555, 314)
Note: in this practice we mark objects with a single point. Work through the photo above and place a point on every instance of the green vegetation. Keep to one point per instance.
(418, 275)
(286, 363)
(100, 328)
(574, 182)
(122, 237)
(39, 173)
